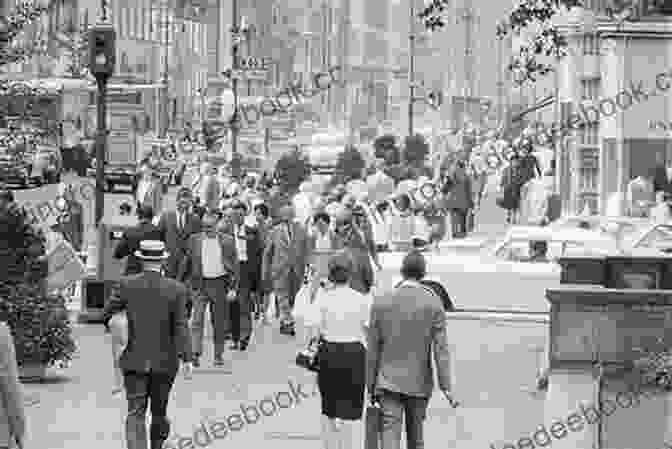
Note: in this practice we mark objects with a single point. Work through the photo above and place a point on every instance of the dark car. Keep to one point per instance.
(14, 170)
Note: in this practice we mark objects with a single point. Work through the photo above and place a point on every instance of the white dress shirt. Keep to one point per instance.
(342, 314)
(143, 188)
(211, 257)
(241, 244)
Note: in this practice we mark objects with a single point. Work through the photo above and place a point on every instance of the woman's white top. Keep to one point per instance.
(341, 313)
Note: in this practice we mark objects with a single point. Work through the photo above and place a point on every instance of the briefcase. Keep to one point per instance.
(373, 423)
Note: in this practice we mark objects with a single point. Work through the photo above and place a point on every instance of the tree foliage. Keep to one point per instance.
(11, 27)
(385, 147)
(350, 164)
(39, 322)
(545, 39)
(416, 150)
(292, 169)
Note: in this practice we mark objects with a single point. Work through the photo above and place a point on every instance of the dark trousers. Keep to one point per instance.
(213, 293)
(241, 308)
(143, 389)
(458, 218)
(398, 408)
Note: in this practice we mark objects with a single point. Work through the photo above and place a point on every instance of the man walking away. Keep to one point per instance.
(158, 339)
(131, 238)
(407, 325)
(211, 269)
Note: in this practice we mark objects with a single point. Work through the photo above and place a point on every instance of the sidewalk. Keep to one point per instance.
(494, 364)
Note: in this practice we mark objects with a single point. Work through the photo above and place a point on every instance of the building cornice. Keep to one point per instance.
(648, 27)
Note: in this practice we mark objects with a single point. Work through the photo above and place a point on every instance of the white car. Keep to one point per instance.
(654, 237)
(503, 276)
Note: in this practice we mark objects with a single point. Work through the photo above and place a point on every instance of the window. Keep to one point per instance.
(590, 89)
(591, 44)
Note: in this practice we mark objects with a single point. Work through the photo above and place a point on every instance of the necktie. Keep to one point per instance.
(289, 231)
(180, 221)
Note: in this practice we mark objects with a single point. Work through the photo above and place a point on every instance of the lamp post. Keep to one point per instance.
(102, 58)
(411, 66)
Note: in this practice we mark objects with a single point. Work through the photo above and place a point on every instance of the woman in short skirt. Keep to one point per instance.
(341, 314)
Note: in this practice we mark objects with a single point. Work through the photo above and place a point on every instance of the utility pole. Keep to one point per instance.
(411, 65)
(102, 59)
(163, 131)
(235, 122)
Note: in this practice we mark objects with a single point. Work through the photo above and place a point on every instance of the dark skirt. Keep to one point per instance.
(341, 379)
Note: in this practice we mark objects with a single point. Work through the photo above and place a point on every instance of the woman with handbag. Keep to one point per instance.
(339, 322)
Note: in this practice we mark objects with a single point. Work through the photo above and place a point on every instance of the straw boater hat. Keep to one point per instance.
(152, 250)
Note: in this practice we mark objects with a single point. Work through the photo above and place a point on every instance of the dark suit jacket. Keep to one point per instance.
(12, 409)
(255, 250)
(176, 239)
(660, 182)
(191, 269)
(407, 325)
(158, 334)
(130, 243)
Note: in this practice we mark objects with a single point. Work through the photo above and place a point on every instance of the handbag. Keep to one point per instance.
(308, 358)
(373, 422)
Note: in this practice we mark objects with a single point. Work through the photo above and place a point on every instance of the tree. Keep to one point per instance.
(11, 27)
(385, 147)
(529, 16)
(416, 150)
(349, 165)
(292, 169)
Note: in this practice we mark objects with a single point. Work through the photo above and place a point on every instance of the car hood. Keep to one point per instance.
(480, 281)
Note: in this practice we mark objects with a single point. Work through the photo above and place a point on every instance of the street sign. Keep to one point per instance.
(254, 63)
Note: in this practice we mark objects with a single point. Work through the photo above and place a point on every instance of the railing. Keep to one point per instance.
(499, 315)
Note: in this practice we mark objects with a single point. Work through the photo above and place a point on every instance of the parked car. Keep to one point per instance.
(503, 276)
(622, 227)
(656, 237)
(14, 170)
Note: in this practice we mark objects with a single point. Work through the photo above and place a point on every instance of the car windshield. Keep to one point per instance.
(522, 250)
(660, 237)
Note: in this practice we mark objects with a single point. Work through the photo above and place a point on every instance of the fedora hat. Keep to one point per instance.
(152, 250)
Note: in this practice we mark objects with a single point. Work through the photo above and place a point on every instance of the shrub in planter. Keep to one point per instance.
(39, 322)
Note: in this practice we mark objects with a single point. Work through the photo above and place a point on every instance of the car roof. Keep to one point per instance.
(554, 234)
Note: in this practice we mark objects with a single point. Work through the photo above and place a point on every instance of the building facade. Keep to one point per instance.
(608, 62)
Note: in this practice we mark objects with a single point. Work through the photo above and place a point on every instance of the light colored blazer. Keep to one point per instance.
(407, 325)
(153, 197)
(12, 411)
(281, 255)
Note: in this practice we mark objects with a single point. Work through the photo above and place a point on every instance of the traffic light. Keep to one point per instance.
(102, 51)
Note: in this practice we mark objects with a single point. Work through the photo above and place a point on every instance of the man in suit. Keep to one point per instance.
(158, 338)
(211, 270)
(12, 410)
(662, 178)
(249, 249)
(206, 188)
(131, 238)
(176, 227)
(284, 264)
(406, 326)
(149, 190)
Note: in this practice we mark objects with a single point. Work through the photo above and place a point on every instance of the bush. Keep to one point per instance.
(40, 325)
(349, 165)
(39, 322)
(385, 147)
(292, 169)
(416, 149)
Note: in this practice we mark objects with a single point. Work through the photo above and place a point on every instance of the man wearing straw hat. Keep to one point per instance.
(158, 338)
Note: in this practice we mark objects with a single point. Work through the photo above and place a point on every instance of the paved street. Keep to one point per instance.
(494, 365)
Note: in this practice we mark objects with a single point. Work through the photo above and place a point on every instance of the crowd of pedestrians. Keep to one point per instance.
(220, 249)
